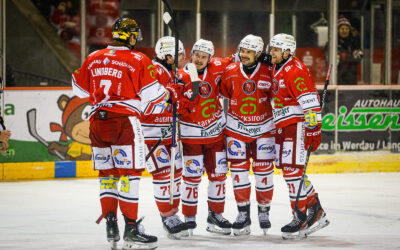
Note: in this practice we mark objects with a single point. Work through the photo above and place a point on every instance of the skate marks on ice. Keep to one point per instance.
(254, 242)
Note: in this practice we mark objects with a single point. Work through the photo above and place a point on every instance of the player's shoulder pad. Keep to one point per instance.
(139, 56)
(232, 66)
(183, 74)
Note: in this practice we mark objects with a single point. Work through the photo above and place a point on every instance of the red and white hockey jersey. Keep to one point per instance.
(154, 124)
(250, 114)
(294, 95)
(207, 121)
(120, 80)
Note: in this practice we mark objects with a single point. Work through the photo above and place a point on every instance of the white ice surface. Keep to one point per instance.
(364, 210)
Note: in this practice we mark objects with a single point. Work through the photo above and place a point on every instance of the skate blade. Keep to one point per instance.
(184, 233)
(295, 236)
(113, 245)
(138, 245)
(265, 230)
(321, 223)
(190, 232)
(218, 230)
(244, 231)
(175, 236)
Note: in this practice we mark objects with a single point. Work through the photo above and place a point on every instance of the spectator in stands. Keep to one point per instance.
(349, 52)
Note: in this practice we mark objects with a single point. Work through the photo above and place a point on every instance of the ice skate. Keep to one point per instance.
(190, 222)
(263, 218)
(297, 228)
(135, 237)
(216, 223)
(174, 227)
(316, 218)
(242, 224)
(112, 230)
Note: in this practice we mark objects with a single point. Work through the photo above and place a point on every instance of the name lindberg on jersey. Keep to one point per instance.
(106, 72)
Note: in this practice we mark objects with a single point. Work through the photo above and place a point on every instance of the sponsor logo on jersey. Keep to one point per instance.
(103, 158)
(267, 148)
(106, 61)
(222, 161)
(286, 152)
(162, 155)
(177, 156)
(249, 87)
(205, 89)
(110, 53)
(235, 149)
(263, 84)
(311, 119)
(193, 166)
(120, 157)
(301, 86)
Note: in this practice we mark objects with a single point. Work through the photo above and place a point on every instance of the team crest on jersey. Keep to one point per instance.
(106, 61)
(275, 86)
(205, 89)
(249, 87)
(162, 155)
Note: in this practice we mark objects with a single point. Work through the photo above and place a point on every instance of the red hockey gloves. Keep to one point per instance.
(312, 138)
(184, 106)
(175, 91)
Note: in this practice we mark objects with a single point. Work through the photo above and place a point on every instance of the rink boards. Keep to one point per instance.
(357, 163)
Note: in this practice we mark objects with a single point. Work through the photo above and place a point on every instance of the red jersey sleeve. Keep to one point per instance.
(226, 80)
(302, 87)
(80, 80)
(153, 95)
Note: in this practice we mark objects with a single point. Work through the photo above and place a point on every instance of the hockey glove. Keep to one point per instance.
(312, 138)
(184, 106)
(265, 58)
(175, 91)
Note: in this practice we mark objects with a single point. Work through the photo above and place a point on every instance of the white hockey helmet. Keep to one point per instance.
(204, 46)
(284, 42)
(252, 42)
(166, 46)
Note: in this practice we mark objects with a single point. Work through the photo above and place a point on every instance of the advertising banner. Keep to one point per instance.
(46, 125)
(366, 120)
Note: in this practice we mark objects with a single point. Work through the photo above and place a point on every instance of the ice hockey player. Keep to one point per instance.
(160, 162)
(203, 140)
(121, 83)
(297, 117)
(250, 132)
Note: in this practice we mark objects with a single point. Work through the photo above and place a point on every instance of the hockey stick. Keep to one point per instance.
(296, 205)
(31, 118)
(194, 78)
(172, 25)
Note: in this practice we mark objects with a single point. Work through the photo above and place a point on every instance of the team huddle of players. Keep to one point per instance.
(274, 116)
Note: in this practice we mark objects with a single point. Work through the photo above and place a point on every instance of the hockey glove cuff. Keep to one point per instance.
(312, 137)
(175, 91)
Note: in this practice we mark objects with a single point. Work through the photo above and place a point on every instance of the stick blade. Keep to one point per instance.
(194, 77)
